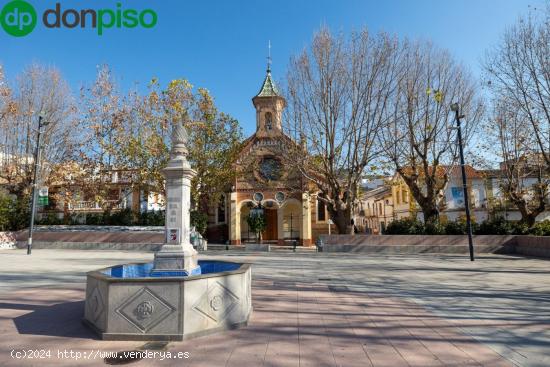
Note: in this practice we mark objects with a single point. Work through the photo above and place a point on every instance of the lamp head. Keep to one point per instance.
(454, 107)
(41, 118)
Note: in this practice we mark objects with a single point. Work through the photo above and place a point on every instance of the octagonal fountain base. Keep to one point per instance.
(125, 303)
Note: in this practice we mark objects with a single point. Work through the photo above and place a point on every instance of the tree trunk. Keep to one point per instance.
(203, 204)
(342, 220)
(430, 212)
(427, 202)
(529, 216)
(529, 219)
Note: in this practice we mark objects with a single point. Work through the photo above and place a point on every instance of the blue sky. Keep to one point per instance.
(222, 45)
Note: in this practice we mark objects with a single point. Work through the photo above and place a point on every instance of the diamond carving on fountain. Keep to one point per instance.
(145, 309)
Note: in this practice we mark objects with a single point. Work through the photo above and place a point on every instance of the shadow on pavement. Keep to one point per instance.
(61, 319)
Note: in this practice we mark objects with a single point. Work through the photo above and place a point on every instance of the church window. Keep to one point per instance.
(321, 211)
(221, 210)
(270, 169)
(268, 121)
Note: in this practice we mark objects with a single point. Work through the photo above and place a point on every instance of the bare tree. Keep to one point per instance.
(104, 112)
(39, 90)
(421, 140)
(338, 95)
(5, 96)
(524, 178)
(518, 70)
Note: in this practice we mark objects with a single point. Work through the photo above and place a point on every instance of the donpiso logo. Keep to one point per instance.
(18, 18)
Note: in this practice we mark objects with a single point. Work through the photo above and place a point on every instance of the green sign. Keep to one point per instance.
(43, 196)
(18, 18)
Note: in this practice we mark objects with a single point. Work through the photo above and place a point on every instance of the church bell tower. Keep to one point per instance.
(269, 106)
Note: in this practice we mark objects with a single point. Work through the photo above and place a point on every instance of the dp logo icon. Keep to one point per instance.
(18, 18)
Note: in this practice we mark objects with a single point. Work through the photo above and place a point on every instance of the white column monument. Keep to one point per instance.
(177, 256)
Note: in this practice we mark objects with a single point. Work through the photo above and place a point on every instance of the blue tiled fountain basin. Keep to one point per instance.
(144, 270)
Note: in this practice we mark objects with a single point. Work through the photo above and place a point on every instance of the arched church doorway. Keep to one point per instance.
(270, 232)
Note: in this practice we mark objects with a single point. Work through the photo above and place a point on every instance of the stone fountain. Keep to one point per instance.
(177, 256)
(176, 296)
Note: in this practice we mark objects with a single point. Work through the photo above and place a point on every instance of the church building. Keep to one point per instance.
(266, 184)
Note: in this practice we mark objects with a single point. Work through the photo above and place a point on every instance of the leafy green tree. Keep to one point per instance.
(214, 143)
(5, 206)
(199, 220)
(19, 213)
(214, 140)
(257, 223)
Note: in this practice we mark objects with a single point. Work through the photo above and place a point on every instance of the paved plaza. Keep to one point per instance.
(309, 310)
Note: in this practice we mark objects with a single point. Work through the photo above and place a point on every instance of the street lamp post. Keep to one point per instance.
(455, 108)
(35, 179)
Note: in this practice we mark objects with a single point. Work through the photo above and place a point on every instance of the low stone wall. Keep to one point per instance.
(414, 244)
(97, 237)
(448, 244)
(532, 246)
(152, 238)
(257, 247)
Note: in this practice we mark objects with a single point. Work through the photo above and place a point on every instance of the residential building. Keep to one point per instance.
(375, 210)
(404, 204)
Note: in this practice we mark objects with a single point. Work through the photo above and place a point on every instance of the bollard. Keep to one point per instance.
(319, 244)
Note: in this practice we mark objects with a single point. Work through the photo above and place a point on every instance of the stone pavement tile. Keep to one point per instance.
(471, 349)
(413, 351)
(339, 331)
(43, 296)
(444, 350)
(379, 349)
(313, 344)
(282, 353)
(345, 345)
(427, 333)
(246, 354)
(381, 353)
(481, 353)
(279, 305)
(214, 349)
(263, 316)
(261, 283)
(197, 353)
(315, 350)
(213, 353)
(282, 332)
(352, 355)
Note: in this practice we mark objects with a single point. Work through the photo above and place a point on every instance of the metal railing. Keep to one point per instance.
(94, 205)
